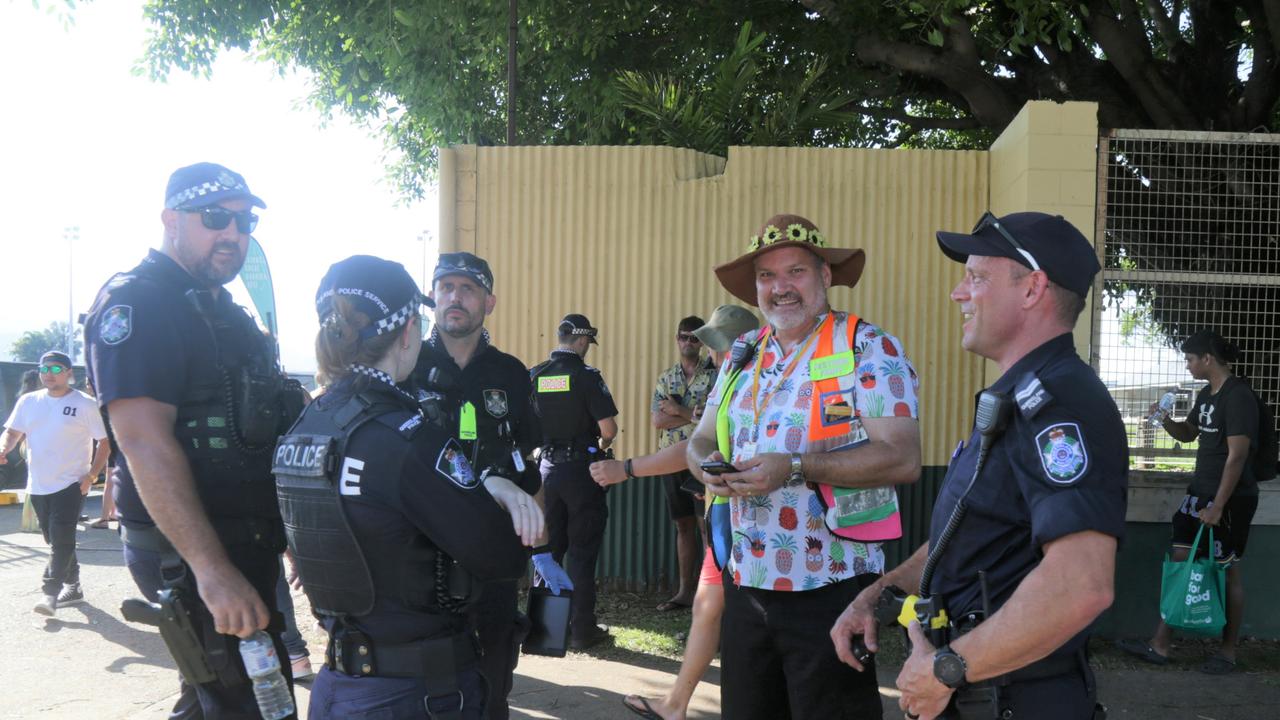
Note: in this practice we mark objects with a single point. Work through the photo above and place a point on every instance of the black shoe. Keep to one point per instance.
(70, 595)
(593, 637)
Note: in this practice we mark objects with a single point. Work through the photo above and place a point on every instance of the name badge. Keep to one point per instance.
(467, 422)
(824, 368)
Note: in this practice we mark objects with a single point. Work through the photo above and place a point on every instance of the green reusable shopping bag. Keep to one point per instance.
(1193, 592)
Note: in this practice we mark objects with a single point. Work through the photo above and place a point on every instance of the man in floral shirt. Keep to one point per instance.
(817, 414)
(680, 390)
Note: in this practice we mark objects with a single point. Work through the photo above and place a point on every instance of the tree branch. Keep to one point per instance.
(1271, 8)
(1261, 90)
(1164, 24)
(918, 122)
(1134, 63)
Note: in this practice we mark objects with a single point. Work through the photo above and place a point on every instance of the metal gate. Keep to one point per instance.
(1189, 224)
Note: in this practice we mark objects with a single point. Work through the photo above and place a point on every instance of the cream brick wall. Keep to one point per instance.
(1046, 160)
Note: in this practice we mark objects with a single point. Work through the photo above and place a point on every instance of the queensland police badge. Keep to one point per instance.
(1062, 452)
(452, 463)
(495, 401)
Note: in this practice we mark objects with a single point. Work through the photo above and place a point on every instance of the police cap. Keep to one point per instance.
(465, 264)
(575, 324)
(205, 184)
(1036, 240)
(379, 288)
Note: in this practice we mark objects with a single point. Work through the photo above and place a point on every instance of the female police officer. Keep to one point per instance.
(389, 525)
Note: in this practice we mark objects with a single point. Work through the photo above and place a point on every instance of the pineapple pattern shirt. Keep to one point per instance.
(780, 541)
(693, 393)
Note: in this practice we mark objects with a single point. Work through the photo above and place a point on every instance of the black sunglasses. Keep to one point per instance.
(990, 221)
(218, 218)
(688, 338)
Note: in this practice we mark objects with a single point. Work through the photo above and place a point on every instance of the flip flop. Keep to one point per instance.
(1217, 665)
(645, 712)
(100, 524)
(1142, 651)
(669, 605)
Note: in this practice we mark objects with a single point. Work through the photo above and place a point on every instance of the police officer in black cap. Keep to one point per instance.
(392, 530)
(481, 396)
(577, 414)
(1029, 560)
(196, 400)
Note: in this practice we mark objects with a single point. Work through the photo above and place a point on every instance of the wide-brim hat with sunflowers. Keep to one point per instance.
(739, 278)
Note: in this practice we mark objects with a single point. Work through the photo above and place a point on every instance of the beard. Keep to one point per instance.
(214, 270)
(690, 351)
(789, 317)
(455, 326)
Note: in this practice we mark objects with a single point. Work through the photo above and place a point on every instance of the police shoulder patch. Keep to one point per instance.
(1031, 396)
(452, 463)
(116, 324)
(1062, 453)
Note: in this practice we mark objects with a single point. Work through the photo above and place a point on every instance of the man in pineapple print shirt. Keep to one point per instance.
(816, 402)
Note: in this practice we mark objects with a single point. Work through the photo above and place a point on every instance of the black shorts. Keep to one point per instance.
(1229, 537)
(681, 503)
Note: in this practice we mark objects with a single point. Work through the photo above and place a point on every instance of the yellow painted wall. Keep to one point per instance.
(628, 236)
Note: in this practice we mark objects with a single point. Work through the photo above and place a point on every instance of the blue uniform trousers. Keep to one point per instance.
(337, 696)
(576, 517)
(213, 701)
(500, 629)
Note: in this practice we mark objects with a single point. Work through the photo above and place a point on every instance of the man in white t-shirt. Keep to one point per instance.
(61, 425)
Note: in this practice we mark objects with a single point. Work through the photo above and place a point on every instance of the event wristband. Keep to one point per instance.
(626, 469)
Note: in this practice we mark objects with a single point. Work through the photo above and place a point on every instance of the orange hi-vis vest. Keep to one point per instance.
(835, 424)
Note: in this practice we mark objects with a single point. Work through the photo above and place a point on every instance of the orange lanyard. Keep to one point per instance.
(759, 403)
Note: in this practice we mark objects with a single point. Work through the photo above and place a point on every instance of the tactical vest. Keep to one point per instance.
(227, 422)
(308, 462)
(556, 385)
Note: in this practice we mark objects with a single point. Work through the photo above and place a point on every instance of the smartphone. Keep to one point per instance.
(717, 467)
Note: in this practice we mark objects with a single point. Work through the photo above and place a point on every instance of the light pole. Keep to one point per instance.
(71, 233)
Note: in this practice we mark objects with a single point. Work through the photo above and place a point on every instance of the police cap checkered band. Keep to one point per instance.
(465, 264)
(577, 324)
(205, 184)
(381, 289)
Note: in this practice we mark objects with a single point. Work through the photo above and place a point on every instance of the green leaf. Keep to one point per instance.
(935, 37)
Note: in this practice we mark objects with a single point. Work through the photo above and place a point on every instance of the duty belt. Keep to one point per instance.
(562, 451)
(352, 653)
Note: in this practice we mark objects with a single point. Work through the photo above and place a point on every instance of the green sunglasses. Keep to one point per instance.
(55, 369)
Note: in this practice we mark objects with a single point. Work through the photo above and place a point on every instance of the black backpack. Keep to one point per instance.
(1267, 458)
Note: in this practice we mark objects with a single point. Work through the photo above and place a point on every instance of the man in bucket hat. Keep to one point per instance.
(1030, 562)
(816, 398)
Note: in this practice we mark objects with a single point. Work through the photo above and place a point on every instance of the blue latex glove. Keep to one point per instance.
(551, 573)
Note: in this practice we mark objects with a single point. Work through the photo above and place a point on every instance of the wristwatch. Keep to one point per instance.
(797, 475)
(949, 668)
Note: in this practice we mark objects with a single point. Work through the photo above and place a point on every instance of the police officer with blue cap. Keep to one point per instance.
(392, 530)
(1022, 546)
(481, 396)
(577, 415)
(195, 400)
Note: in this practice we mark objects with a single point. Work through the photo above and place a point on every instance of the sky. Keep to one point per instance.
(86, 143)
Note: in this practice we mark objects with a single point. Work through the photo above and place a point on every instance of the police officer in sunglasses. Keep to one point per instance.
(195, 398)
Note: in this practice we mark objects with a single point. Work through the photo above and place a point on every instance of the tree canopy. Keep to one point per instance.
(34, 343)
(712, 73)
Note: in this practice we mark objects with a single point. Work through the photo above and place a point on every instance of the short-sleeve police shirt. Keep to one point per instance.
(1060, 467)
(1233, 410)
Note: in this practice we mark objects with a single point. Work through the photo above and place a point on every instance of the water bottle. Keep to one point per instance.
(263, 667)
(1162, 412)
